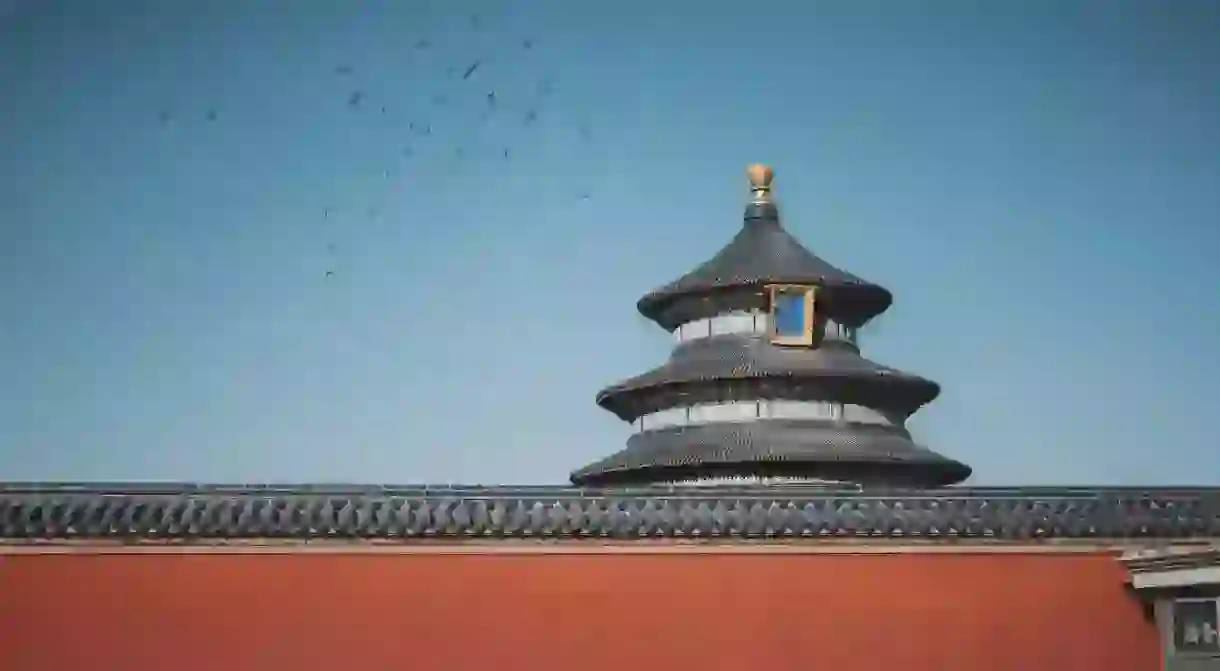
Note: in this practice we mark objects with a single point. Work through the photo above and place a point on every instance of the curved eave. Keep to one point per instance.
(823, 450)
(735, 359)
(851, 302)
(764, 252)
(917, 476)
(907, 393)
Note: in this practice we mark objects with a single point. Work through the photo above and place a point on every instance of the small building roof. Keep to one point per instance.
(1174, 568)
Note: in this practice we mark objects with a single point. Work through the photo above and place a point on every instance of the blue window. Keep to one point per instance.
(792, 315)
(789, 314)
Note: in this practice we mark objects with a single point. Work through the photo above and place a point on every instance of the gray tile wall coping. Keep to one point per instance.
(160, 511)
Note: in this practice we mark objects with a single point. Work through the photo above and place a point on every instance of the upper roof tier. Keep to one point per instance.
(762, 253)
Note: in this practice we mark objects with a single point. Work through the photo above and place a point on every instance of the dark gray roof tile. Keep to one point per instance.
(823, 450)
(763, 252)
(46, 512)
(736, 357)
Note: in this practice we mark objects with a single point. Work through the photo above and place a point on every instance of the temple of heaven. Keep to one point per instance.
(770, 511)
(766, 381)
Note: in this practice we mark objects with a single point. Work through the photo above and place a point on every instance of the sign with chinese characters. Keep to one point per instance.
(1194, 626)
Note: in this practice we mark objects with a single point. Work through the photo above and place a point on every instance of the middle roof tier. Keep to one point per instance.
(749, 367)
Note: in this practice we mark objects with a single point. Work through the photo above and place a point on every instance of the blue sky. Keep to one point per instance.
(1038, 183)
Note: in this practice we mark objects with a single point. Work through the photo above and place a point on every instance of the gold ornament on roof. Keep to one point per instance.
(760, 177)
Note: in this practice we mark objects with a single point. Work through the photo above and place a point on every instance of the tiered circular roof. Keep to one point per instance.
(747, 366)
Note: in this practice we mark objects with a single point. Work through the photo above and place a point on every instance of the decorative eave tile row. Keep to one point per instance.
(34, 512)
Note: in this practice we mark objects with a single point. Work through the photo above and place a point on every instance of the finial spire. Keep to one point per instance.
(760, 177)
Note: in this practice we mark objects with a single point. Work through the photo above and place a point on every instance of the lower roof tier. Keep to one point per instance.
(741, 367)
(823, 450)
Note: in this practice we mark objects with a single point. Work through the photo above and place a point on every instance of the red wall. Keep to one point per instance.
(212, 612)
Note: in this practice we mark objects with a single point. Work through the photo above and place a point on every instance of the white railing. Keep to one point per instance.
(747, 323)
(749, 480)
(751, 411)
(836, 331)
(732, 322)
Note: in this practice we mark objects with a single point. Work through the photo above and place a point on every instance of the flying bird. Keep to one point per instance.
(355, 99)
(528, 44)
(422, 44)
(530, 117)
(506, 153)
(211, 115)
(343, 70)
(330, 273)
(470, 70)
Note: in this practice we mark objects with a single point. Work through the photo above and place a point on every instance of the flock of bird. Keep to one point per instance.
(420, 130)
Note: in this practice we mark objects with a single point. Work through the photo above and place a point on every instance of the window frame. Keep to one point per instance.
(805, 339)
(1173, 626)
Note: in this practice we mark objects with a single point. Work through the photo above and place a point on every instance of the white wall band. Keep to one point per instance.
(750, 411)
(756, 322)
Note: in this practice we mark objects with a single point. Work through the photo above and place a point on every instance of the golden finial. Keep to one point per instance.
(760, 177)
